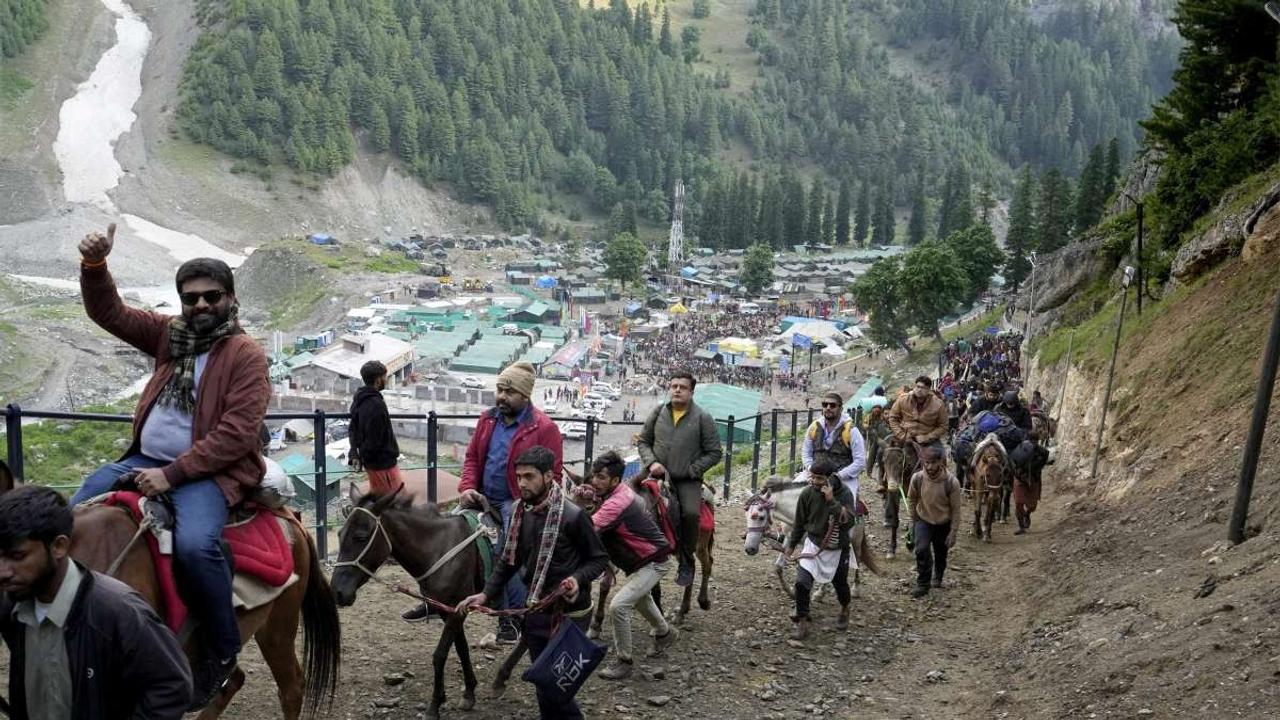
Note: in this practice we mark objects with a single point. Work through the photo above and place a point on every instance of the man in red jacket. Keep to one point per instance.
(195, 432)
(488, 471)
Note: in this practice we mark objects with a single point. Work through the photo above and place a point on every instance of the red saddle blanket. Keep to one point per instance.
(258, 547)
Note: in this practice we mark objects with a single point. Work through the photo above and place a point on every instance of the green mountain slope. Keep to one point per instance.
(523, 103)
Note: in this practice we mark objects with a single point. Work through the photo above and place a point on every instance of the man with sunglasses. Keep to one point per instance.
(195, 432)
(834, 436)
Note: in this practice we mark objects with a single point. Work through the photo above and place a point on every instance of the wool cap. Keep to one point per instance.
(519, 377)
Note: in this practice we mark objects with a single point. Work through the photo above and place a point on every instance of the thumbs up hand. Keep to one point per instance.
(96, 247)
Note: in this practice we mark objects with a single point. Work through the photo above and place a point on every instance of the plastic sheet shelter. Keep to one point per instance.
(678, 309)
(723, 400)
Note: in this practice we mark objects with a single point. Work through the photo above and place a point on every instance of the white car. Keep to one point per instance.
(588, 412)
(606, 390)
(573, 430)
(471, 381)
(596, 398)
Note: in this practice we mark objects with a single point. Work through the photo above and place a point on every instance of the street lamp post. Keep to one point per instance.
(1111, 374)
(1031, 301)
(1141, 271)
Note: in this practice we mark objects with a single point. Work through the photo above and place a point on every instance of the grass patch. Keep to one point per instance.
(295, 307)
(13, 87)
(392, 263)
(1235, 200)
(63, 452)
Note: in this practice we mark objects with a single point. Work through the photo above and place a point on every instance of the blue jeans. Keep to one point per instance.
(201, 512)
(515, 591)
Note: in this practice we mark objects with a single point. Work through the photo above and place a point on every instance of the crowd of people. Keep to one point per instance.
(196, 442)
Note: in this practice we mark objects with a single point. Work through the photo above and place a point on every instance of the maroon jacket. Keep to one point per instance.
(230, 402)
(537, 429)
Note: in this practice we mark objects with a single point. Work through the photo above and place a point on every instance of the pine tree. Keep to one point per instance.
(666, 43)
(1053, 217)
(813, 224)
(1089, 195)
(1021, 237)
(862, 224)
(916, 229)
(794, 210)
(843, 209)
(886, 222)
(828, 221)
(957, 202)
(1111, 172)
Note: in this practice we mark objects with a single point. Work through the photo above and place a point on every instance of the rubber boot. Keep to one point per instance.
(842, 621)
(801, 630)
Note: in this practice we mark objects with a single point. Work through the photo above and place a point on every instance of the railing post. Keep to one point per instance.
(590, 447)
(791, 466)
(728, 457)
(809, 421)
(322, 487)
(13, 431)
(773, 442)
(433, 456)
(755, 453)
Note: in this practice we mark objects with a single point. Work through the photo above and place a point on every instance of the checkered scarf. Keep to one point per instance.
(553, 506)
(185, 345)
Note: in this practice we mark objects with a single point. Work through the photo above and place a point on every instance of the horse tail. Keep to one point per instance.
(866, 558)
(321, 631)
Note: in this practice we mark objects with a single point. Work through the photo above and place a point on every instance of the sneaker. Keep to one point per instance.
(937, 582)
(416, 615)
(920, 591)
(208, 677)
(508, 633)
(684, 577)
(619, 670)
(662, 642)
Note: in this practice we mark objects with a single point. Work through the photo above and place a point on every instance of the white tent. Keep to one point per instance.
(824, 331)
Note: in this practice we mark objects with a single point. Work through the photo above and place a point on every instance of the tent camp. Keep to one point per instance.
(678, 309)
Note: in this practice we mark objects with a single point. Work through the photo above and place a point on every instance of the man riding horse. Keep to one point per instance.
(195, 432)
(918, 419)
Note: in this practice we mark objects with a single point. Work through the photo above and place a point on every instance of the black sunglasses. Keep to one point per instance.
(830, 404)
(212, 297)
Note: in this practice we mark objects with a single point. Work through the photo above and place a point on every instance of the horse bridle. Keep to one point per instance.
(358, 563)
(765, 504)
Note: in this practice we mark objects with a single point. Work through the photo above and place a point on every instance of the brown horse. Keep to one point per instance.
(103, 533)
(991, 478)
(381, 527)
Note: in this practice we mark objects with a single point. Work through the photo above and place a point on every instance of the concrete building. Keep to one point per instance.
(336, 369)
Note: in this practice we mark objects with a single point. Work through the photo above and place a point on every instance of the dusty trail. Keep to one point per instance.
(939, 657)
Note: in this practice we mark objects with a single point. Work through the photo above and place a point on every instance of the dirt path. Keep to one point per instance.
(943, 656)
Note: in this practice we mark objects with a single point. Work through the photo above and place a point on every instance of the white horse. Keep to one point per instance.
(779, 499)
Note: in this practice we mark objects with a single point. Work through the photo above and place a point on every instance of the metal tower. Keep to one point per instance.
(675, 249)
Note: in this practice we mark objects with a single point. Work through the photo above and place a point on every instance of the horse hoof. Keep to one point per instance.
(469, 702)
(594, 633)
(704, 603)
(433, 712)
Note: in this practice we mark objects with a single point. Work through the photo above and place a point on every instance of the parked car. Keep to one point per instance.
(606, 390)
(596, 398)
(471, 381)
(573, 430)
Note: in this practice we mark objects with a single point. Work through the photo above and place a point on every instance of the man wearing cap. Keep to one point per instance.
(834, 436)
(502, 433)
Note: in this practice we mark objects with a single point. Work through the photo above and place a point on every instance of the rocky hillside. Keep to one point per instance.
(1144, 609)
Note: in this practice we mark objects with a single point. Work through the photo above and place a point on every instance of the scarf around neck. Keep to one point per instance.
(553, 506)
(185, 345)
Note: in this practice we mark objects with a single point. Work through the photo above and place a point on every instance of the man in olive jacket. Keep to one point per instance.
(679, 442)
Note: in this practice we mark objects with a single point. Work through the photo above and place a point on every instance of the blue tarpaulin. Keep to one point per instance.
(688, 271)
(322, 239)
(801, 341)
(546, 281)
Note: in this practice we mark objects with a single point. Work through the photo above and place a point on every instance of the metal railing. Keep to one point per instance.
(776, 419)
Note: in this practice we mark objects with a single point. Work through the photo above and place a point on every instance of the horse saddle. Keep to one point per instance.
(255, 545)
